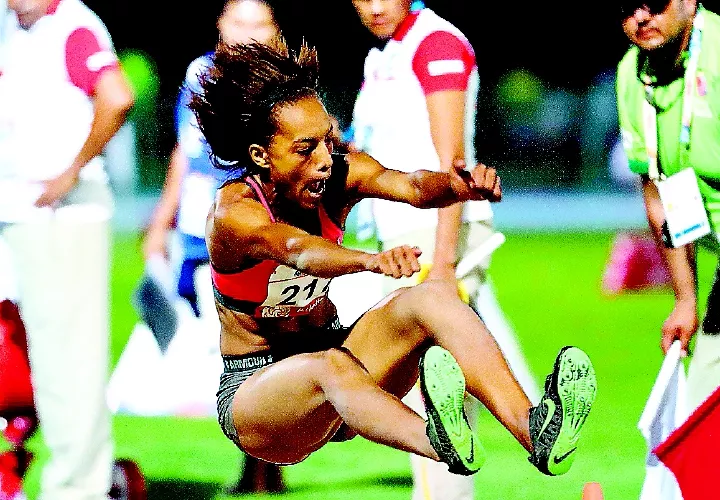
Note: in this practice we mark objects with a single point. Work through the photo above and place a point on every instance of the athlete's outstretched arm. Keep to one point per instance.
(243, 231)
(367, 178)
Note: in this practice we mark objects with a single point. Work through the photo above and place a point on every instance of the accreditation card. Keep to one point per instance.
(685, 213)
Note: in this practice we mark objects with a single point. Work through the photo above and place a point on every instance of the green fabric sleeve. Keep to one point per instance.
(630, 97)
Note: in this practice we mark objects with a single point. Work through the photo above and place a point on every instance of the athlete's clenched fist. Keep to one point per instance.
(480, 183)
(396, 262)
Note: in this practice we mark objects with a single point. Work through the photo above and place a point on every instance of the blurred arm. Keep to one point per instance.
(113, 99)
(446, 110)
(164, 214)
(443, 64)
(683, 321)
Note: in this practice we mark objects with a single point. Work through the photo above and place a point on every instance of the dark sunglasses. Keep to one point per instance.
(628, 7)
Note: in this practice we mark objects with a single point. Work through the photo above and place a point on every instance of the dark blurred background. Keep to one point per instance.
(546, 113)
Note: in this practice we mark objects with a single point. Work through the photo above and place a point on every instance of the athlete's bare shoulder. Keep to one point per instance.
(236, 201)
(361, 168)
(235, 216)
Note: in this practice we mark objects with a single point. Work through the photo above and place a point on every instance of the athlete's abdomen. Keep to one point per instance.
(241, 333)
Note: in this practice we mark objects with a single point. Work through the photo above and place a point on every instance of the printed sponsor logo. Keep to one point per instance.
(248, 363)
(445, 67)
(550, 404)
(99, 60)
(288, 311)
(471, 457)
(559, 459)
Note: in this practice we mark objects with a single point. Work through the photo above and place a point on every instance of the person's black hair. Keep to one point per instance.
(242, 91)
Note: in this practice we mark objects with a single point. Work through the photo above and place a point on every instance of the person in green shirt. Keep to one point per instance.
(668, 95)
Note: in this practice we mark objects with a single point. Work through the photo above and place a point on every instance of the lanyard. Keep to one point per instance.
(650, 113)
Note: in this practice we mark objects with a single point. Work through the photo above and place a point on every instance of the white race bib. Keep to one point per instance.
(292, 293)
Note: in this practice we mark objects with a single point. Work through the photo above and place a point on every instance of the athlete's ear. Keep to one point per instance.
(259, 156)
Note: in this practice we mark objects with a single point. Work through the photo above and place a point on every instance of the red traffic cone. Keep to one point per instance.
(592, 491)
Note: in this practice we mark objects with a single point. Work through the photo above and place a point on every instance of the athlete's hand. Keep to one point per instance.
(396, 262)
(481, 183)
(681, 325)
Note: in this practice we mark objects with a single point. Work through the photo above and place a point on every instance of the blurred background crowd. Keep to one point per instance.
(546, 112)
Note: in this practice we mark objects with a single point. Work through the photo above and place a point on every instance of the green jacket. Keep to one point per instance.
(704, 152)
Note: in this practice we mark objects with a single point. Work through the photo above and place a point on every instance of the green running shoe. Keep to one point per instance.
(556, 422)
(443, 388)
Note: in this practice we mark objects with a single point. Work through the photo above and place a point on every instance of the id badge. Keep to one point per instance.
(685, 214)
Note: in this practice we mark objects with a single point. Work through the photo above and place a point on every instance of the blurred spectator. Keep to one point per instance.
(635, 262)
(416, 110)
(668, 100)
(539, 130)
(189, 190)
(62, 97)
(131, 153)
(191, 179)
(599, 132)
(519, 95)
(621, 176)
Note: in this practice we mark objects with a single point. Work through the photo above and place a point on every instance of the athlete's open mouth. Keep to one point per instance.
(317, 187)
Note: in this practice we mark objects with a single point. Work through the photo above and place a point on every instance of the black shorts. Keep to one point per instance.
(237, 369)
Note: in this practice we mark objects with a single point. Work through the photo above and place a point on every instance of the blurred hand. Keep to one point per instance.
(155, 243)
(56, 189)
(481, 183)
(681, 325)
(396, 262)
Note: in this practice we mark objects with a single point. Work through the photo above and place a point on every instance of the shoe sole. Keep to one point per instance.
(574, 389)
(442, 384)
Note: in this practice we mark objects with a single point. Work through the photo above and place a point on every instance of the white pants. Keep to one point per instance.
(431, 480)
(704, 370)
(61, 262)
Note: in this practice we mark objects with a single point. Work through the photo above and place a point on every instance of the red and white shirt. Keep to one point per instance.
(390, 120)
(48, 76)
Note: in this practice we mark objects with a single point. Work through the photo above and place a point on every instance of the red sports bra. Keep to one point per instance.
(269, 289)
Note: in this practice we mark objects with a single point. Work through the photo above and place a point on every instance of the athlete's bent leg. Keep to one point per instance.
(293, 407)
(432, 311)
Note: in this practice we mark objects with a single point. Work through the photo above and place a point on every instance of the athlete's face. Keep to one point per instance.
(382, 17)
(245, 21)
(299, 152)
(652, 24)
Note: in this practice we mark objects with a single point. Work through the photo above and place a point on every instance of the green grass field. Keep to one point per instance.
(549, 287)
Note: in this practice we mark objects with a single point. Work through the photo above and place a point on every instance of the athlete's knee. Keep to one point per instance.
(339, 368)
(417, 301)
